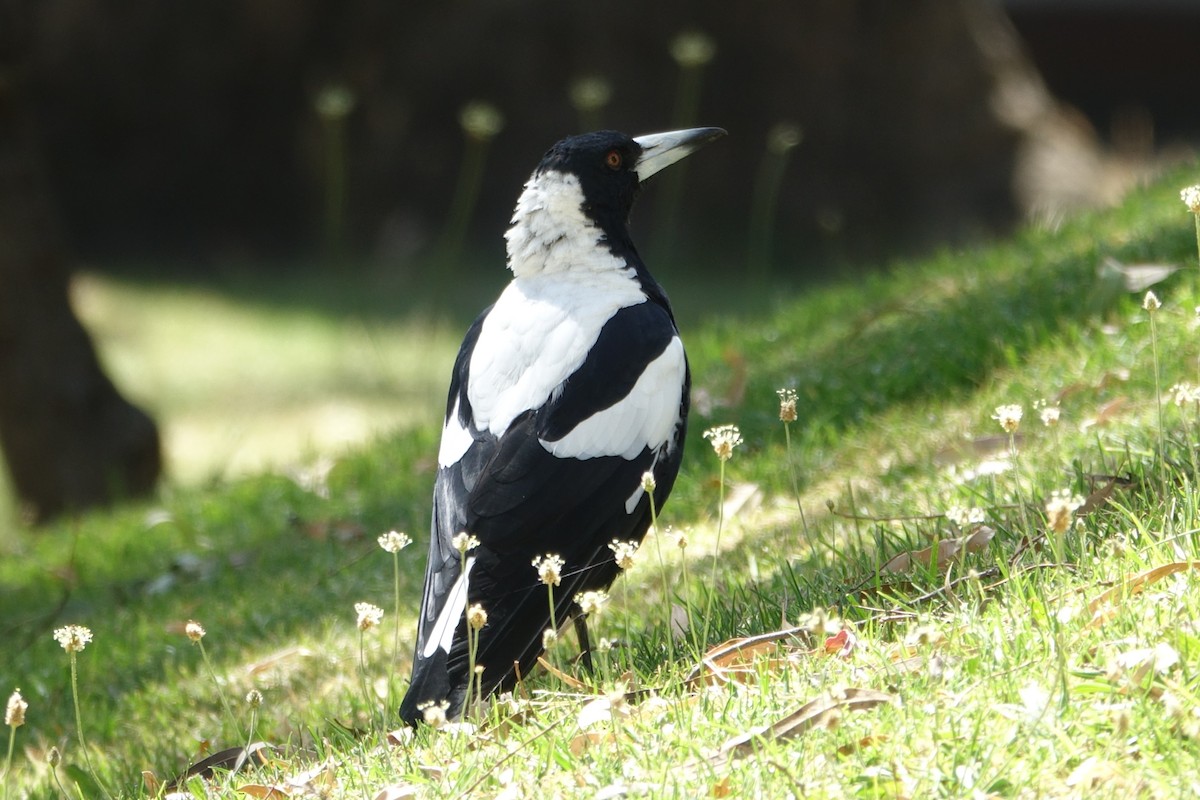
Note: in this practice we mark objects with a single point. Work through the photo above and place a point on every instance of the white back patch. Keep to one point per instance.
(646, 417)
(537, 334)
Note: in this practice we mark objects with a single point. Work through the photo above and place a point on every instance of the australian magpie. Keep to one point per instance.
(566, 391)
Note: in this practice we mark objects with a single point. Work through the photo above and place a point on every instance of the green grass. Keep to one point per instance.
(1002, 680)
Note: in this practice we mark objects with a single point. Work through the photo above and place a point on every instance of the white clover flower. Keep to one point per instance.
(549, 569)
(648, 482)
(591, 603)
(787, 405)
(623, 553)
(394, 541)
(724, 438)
(254, 698)
(549, 637)
(1185, 393)
(1009, 417)
(476, 617)
(1151, 302)
(1050, 416)
(369, 615)
(434, 713)
(14, 711)
(1060, 510)
(464, 542)
(194, 631)
(73, 638)
(965, 517)
(1191, 198)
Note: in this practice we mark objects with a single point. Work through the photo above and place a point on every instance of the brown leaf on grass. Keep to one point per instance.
(721, 788)
(574, 683)
(841, 644)
(1106, 380)
(231, 759)
(1099, 496)
(150, 781)
(1103, 607)
(264, 791)
(581, 742)
(285, 660)
(1107, 412)
(404, 791)
(943, 554)
(317, 781)
(862, 744)
(720, 663)
(400, 736)
(818, 712)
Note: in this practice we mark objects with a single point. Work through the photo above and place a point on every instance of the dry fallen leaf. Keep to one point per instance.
(1106, 413)
(1103, 607)
(812, 714)
(404, 791)
(841, 644)
(264, 791)
(580, 742)
(231, 759)
(946, 552)
(574, 683)
(737, 656)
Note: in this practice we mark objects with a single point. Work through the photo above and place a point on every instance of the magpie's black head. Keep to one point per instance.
(587, 182)
(611, 166)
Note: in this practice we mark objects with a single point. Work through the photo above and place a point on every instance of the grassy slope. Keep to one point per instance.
(1002, 687)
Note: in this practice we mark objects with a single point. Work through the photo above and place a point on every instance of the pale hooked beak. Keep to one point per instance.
(661, 150)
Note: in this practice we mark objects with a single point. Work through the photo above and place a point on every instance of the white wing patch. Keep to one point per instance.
(538, 333)
(456, 439)
(646, 417)
(442, 634)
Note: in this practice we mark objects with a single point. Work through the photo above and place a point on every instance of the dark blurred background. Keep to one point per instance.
(188, 133)
(377, 147)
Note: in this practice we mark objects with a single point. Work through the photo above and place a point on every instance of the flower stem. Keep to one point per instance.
(216, 682)
(1162, 442)
(79, 727)
(472, 649)
(12, 738)
(362, 673)
(712, 584)
(396, 619)
(662, 566)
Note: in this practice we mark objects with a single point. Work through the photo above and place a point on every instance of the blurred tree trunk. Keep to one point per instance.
(70, 440)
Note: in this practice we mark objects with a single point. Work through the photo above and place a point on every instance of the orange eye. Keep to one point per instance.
(613, 159)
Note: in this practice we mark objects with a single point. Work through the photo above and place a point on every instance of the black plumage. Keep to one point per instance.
(566, 391)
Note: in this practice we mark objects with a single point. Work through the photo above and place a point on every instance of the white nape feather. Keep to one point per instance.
(646, 417)
(549, 231)
(442, 634)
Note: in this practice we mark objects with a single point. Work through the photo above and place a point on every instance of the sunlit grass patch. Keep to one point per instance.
(962, 610)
